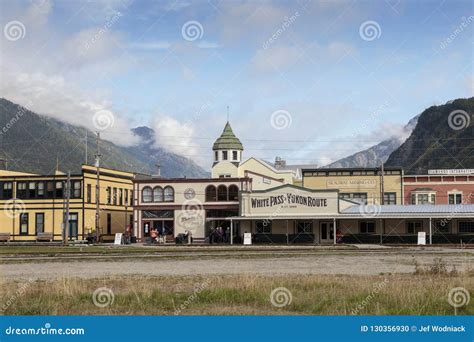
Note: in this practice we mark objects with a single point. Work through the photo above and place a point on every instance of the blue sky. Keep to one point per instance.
(335, 87)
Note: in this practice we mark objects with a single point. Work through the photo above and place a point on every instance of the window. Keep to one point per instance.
(413, 227)
(216, 155)
(89, 193)
(39, 223)
(50, 189)
(158, 195)
(360, 197)
(233, 193)
(40, 192)
(263, 227)
(169, 194)
(31, 190)
(146, 195)
(224, 155)
(390, 198)
(109, 224)
(24, 224)
(131, 197)
(76, 189)
(442, 226)
(114, 198)
(423, 198)
(59, 189)
(211, 193)
(235, 155)
(109, 195)
(455, 198)
(120, 197)
(7, 190)
(222, 193)
(304, 227)
(466, 226)
(73, 225)
(126, 196)
(367, 227)
(21, 190)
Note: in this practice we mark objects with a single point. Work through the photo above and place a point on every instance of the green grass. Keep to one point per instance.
(424, 294)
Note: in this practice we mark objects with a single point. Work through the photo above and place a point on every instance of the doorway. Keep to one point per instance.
(326, 232)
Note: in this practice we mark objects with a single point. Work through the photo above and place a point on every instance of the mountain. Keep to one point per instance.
(442, 139)
(375, 155)
(35, 143)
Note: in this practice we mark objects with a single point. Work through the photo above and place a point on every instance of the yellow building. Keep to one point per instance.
(34, 205)
(358, 184)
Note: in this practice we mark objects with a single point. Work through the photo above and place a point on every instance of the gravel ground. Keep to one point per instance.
(357, 263)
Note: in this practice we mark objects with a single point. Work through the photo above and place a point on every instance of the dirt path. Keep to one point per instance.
(360, 263)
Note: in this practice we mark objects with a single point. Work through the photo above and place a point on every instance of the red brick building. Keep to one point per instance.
(439, 187)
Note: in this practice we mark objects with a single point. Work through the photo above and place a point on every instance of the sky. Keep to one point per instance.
(309, 81)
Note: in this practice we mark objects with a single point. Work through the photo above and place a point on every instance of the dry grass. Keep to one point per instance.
(422, 294)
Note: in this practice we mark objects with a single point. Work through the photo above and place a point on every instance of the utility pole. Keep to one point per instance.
(97, 190)
(68, 197)
(382, 190)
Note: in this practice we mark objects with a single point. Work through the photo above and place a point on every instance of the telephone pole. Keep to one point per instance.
(97, 190)
(68, 197)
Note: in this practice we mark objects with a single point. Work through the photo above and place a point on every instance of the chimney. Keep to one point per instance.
(280, 163)
(158, 171)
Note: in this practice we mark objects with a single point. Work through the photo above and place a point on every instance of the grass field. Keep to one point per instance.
(417, 294)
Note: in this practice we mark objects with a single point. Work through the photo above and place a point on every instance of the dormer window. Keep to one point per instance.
(224, 155)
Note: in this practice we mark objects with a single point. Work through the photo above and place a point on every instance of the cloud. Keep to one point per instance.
(174, 136)
(276, 58)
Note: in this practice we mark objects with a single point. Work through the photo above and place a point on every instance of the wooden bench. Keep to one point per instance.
(44, 237)
(5, 237)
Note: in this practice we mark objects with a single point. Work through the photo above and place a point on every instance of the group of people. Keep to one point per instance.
(157, 236)
(219, 235)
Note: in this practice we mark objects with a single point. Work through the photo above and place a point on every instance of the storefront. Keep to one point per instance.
(291, 214)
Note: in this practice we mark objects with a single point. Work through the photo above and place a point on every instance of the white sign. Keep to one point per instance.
(421, 238)
(451, 172)
(118, 239)
(351, 183)
(247, 238)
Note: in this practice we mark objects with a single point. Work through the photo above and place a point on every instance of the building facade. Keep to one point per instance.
(35, 205)
(440, 187)
(363, 185)
(178, 206)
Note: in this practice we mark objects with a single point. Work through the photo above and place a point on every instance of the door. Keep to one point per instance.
(326, 232)
(73, 226)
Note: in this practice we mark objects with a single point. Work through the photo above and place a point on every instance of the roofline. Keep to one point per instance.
(192, 180)
(291, 186)
(269, 166)
(352, 169)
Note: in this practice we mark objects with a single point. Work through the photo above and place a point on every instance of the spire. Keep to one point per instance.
(228, 140)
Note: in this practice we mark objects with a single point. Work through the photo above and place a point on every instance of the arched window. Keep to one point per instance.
(233, 193)
(222, 193)
(211, 193)
(157, 194)
(146, 194)
(169, 194)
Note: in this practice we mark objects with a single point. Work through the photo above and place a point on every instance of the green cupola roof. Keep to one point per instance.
(227, 140)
